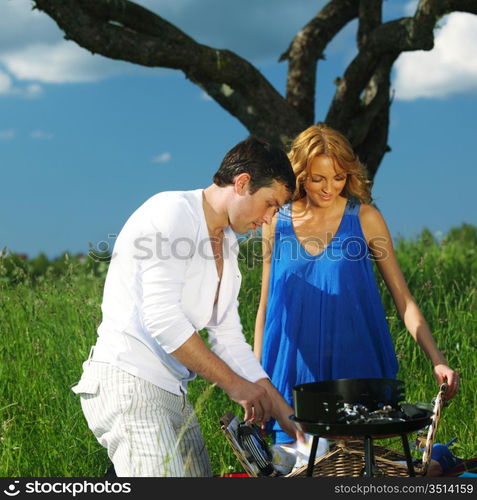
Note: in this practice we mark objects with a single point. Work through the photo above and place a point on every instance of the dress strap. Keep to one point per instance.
(285, 212)
(352, 207)
(283, 226)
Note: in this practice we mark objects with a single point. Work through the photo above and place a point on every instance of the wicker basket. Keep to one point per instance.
(346, 459)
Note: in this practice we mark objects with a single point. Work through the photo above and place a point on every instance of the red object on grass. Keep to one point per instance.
(235, 474)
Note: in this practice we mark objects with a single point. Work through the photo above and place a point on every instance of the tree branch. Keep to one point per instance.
(432, 10)
(391, 38)
(120, 29)
(305, 50)
(370, 17)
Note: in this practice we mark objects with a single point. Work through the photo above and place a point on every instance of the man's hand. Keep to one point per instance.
(254, 399)
(260, 400)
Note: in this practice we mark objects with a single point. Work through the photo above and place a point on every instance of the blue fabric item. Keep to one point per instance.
(324, 319)
(441, 453)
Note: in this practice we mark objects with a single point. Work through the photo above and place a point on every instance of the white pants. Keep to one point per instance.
(148, 432)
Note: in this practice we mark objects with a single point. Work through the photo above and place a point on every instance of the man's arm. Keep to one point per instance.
(197, 357)
(260, 400)
(162, 274)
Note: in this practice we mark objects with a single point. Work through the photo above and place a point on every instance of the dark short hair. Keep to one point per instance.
(262, 161)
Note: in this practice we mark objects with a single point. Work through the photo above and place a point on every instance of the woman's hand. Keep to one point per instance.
(445, 374)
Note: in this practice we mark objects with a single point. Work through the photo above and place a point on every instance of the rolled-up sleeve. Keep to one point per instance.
(162, 278)
(228, 342)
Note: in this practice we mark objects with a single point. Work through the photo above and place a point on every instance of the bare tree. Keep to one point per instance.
(360, 108)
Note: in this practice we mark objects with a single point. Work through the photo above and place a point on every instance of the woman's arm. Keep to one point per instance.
(268, 234)
(379, 241)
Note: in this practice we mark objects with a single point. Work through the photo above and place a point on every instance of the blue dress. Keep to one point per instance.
(324, 319)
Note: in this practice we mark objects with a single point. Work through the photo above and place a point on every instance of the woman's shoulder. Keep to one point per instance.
(371, 220)
(369, 212)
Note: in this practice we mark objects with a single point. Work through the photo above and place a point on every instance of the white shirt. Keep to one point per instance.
(160, 289)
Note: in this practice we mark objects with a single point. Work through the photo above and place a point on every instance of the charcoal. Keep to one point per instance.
(359, 414)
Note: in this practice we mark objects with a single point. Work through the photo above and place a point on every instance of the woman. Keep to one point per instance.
(320, 315)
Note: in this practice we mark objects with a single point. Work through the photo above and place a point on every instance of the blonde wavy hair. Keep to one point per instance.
(321, 139)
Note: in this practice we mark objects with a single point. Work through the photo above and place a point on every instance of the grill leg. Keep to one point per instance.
(311, 460)
(407, 452)
(368, 457)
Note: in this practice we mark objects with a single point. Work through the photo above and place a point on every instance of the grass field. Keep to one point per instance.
(49, 312)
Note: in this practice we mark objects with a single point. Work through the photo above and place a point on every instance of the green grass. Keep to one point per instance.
(49, 313)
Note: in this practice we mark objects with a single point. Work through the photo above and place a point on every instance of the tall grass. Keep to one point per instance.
(48, 320)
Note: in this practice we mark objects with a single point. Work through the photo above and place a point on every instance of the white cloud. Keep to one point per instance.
(32, 49)
(5, 83)
(162, 158)
(450, 68)
(42, 135)
(7, 135)
(9, 87)
(62, 62)
(34, 90)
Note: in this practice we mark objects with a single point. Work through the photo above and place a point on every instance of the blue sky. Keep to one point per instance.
(85, 140)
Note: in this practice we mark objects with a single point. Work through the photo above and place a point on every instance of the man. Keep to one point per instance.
(174, 271)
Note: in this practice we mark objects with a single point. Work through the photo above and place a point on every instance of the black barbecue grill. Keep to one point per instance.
(366, 408)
